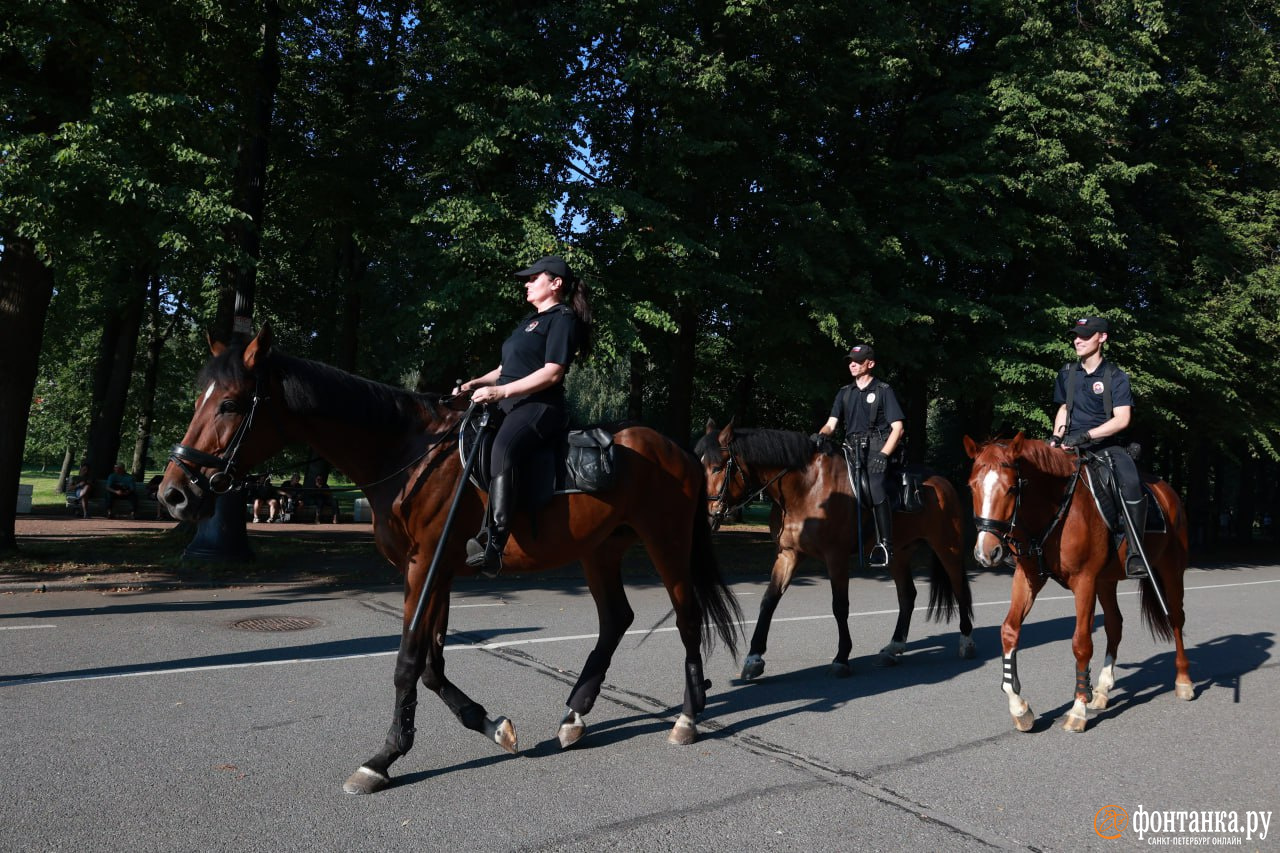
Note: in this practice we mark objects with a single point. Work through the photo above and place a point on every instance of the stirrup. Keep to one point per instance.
(1134, 568)
(486, 558)
(880, 556)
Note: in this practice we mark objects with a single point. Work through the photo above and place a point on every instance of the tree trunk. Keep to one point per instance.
(235, 304)
(680, 378)
(150, 378)
(112, 376)
(67, 457)
(26, 287)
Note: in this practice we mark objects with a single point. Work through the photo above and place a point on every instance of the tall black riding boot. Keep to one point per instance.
(882, 551)
(1136, 524)
(489, 560)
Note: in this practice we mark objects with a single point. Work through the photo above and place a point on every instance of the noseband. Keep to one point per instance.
(224, 480)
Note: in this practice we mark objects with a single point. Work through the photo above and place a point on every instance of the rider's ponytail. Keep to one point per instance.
(576, 299)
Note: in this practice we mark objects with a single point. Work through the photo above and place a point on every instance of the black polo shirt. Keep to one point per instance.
(853, 405)
(548, 337)
(1088, 406)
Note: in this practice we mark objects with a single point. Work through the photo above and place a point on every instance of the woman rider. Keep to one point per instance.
(528, 387)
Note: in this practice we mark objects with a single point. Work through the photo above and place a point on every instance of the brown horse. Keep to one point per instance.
(1029, 508)
(404, 447)
(814, 516)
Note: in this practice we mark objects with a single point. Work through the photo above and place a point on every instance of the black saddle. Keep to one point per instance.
(583, 461)
(902, 481)
(1106, 496)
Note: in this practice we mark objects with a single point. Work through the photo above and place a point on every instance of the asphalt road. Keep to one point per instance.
(149, 721)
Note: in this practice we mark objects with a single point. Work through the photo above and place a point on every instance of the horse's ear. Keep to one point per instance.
(726, 434)
(711, 426)
(1015, 446)
(215, 347)
(258, 348)
(971, 447)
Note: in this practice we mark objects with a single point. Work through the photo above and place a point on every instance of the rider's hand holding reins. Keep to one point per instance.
(877, 463)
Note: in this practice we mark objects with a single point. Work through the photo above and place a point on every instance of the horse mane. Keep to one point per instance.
(767, 447)
(314, 389)
(1048, 460)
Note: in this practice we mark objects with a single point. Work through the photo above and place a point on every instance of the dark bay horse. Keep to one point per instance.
(814, 516)
(1028, 498)
(404, 448)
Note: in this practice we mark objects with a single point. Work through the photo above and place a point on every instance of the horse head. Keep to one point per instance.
(996, 484)
(221, 443)
(719, 466)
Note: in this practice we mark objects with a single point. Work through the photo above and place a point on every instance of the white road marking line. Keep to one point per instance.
(508, 643)
(24, 627)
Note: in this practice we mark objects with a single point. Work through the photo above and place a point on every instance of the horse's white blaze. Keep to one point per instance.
(988, 487)
(207, 394)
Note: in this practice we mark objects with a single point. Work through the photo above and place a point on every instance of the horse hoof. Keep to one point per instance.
(503, 734)
(840, 670)
(366, 781)
(1184, 691)
(1023, 722)
(968, 648)
(1099, 702)
(1074, 723)
(572, 728)
(887, 659)
(752, 667)
(684, 732)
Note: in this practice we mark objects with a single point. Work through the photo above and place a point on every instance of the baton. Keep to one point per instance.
(1135, 538)
(453, 511)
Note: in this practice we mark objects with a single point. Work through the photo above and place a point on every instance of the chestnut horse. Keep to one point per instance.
(404, 448)
(1033, 504)
(814, 516)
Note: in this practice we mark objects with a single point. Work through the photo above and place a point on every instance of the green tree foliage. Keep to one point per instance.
(747, 187)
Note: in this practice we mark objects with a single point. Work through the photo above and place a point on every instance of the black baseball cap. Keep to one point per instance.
(1087, 327)
(553, 264)
(861, 353)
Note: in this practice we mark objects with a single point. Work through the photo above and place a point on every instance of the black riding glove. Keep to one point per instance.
(819, 442)
(1076, 438)
(1053, 441)
(877, 463)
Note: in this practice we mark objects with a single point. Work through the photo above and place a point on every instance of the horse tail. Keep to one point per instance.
(1152, 616)
(942, 598)
(720, 611)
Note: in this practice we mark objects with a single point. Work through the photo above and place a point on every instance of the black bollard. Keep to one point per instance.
(222, 537)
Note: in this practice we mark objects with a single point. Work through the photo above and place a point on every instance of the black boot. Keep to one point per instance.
(488, 557)
(882, 551)
(1136, 525)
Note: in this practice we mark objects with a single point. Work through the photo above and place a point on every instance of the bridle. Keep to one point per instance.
(1003, 530)
(224, 479)
(731, 466)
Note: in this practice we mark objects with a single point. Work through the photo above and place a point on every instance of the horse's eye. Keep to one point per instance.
(228, 407)
(716, 469)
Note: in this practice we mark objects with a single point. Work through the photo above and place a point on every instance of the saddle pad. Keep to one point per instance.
(1106, 497)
